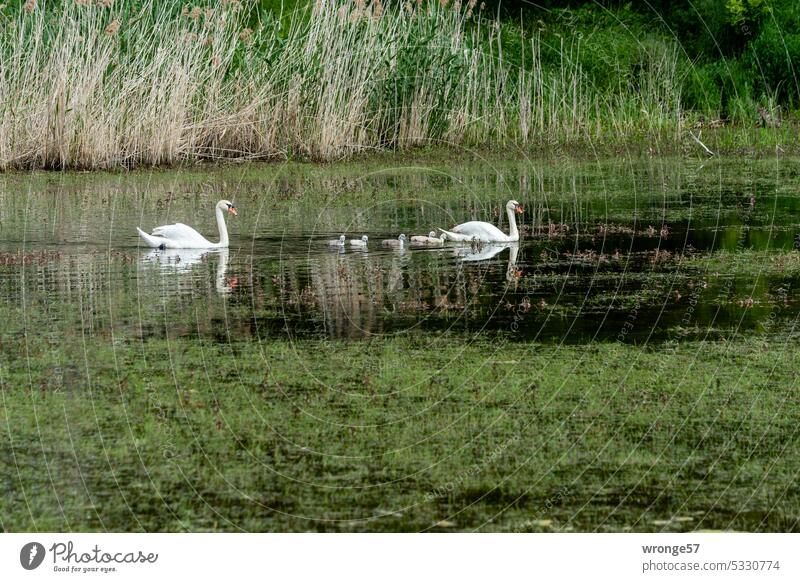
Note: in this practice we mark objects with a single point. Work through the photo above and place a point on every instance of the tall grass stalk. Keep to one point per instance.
(88, 84)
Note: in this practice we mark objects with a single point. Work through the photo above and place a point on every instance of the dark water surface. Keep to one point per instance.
(603, 244)
(141, 390)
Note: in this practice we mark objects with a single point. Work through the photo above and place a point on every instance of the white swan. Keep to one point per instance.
(337, 243)
(485, 231)
(431, 239)
(181, 236)
(361, 243)
(398, 242)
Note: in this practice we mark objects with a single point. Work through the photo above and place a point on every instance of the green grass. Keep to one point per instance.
(87, 86)
(745, 263)
(398, 434)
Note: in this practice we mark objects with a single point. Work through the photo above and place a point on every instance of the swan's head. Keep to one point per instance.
(364, 239)
(432, 234)
(514, 206)
(227, 205)
(341, 239)
(402, 238)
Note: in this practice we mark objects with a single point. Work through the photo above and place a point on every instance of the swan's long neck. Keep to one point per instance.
(513, 233)
(223, 228)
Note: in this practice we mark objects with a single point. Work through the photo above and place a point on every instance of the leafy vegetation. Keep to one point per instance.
(740, 53)
(100, 84)
(393, 435)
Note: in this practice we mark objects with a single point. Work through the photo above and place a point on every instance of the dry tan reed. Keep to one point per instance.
(95, 85)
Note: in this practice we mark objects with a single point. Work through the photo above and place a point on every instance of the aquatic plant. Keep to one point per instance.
(107, 85)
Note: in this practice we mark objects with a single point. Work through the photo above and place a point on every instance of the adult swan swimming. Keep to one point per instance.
(181, 236)
(485, 231)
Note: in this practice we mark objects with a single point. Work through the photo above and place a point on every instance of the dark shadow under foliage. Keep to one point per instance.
(743, 51)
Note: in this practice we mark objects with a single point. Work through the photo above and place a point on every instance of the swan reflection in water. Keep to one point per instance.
(486, 251)
(184, 262)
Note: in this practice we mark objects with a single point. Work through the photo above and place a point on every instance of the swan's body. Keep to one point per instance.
(181, 236)
(431, 239)
(397, 243)
(359, 242)
(337, 243)
(485, 231)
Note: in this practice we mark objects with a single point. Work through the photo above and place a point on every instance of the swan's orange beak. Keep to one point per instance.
(232, 210)
(519, 209)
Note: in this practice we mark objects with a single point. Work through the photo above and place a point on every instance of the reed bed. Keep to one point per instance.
(99, 84)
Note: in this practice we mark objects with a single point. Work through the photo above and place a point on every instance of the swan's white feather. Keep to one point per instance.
(152, 241)
(183, 235)
(485, 231)
(454, 236)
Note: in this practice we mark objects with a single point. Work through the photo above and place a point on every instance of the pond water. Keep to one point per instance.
(684, 248)
(153, 390)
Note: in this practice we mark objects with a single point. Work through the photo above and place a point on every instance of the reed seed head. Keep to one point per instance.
(112, 28)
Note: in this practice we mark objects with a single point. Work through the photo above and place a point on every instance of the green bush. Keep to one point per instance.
(610, 44)
(734, 79)
(701, 89)
(773, 56)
